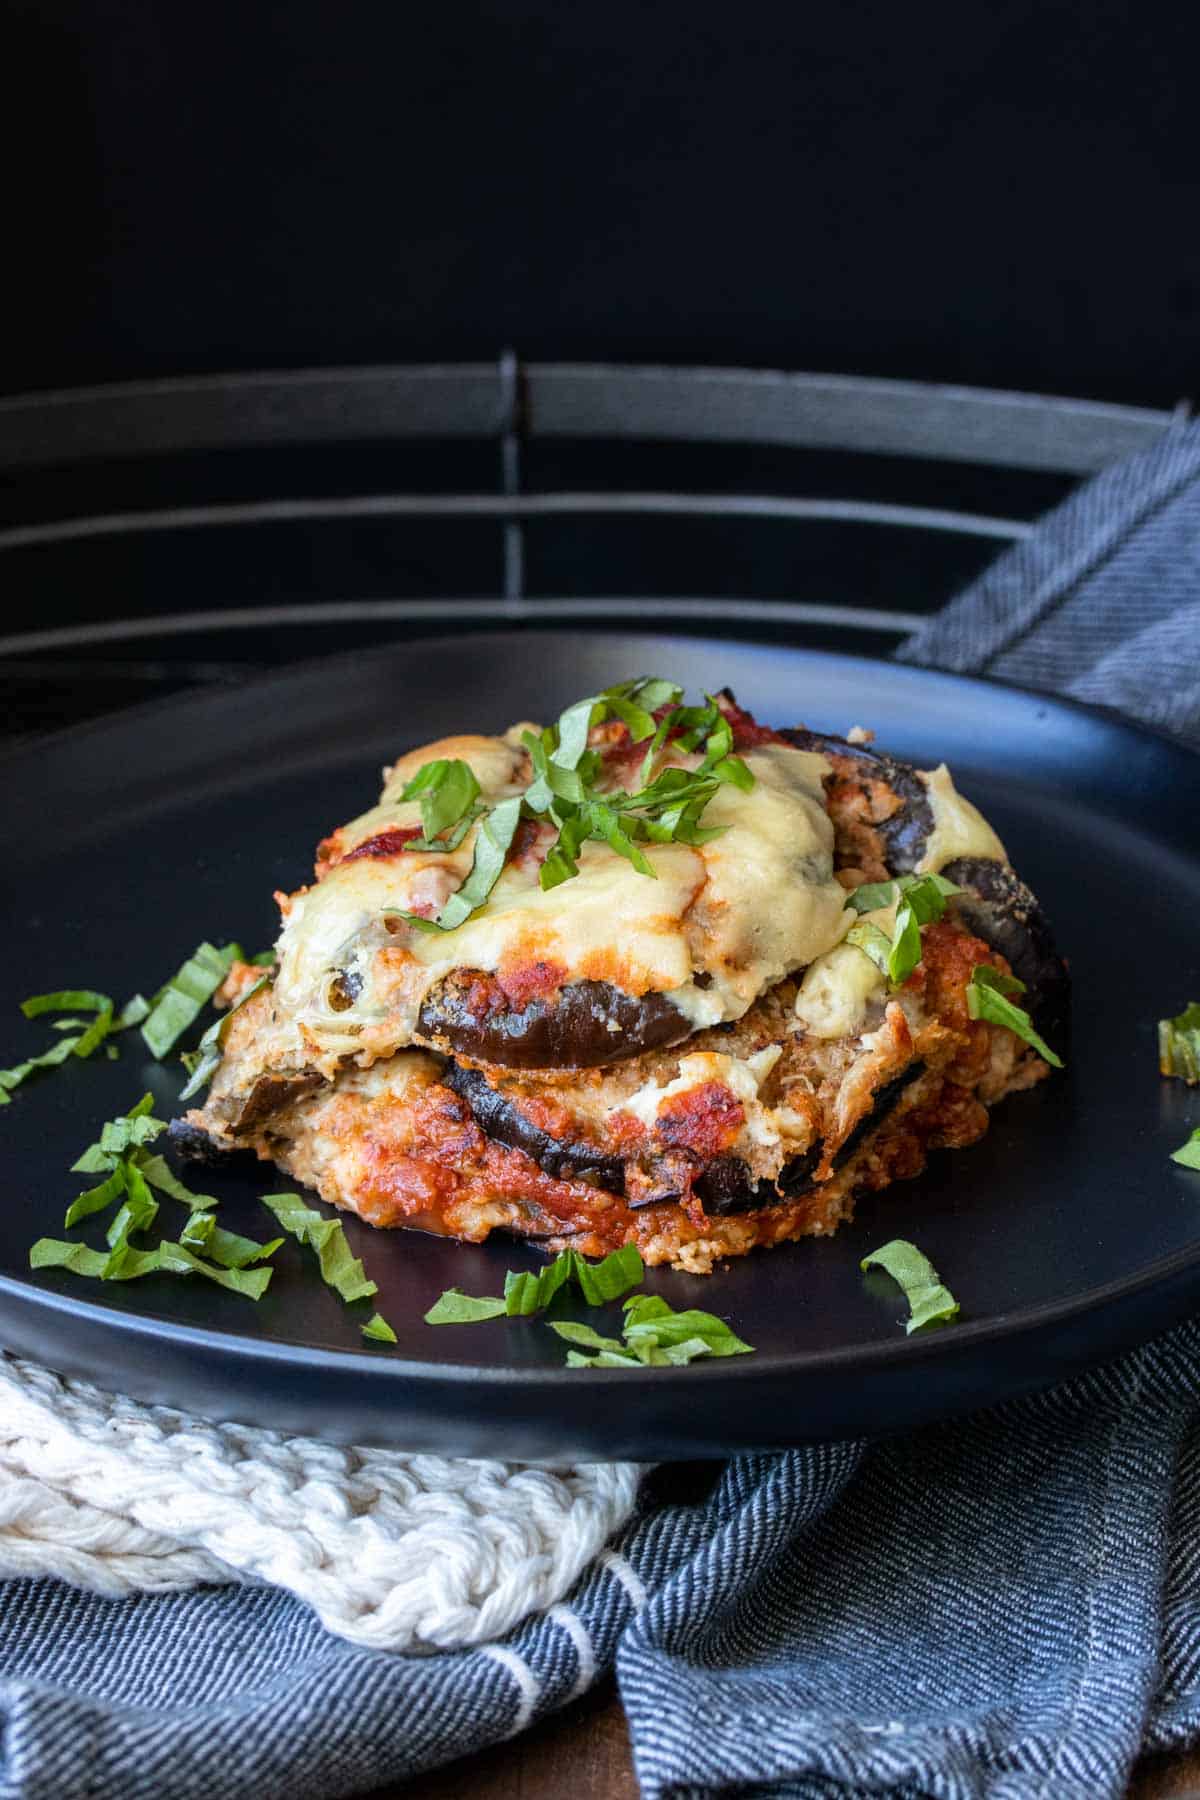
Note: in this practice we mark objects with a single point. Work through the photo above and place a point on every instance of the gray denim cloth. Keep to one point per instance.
(1006, 1606)
(1102, 602)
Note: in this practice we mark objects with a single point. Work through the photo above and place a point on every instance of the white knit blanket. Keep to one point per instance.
(392, 1551)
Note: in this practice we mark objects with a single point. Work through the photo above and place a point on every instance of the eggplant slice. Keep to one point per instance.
(723, 1186)
(871, 796)
(585, 1025)
(998, 907)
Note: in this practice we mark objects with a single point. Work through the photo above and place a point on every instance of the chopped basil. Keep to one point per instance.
(873, 942)
(340, 1268)
(89, 1037)
(928, 893)
(203, 1235)
(609, 1278)
(175, 1259)
(492, 843)
(986, 993)
(84, 1000)
(203, 1062)
(562, 792)
(447, 791)
(929, 1302)
(655, 1336)
(918, 899)
(134, 1127)
(132, 1013)
(1179, 1044)
(456, 1308)
(526, 1293)
(95, 1199)
(1188, 1155)
(585, 1338)
(378, 1330)
(80, 1259)
(159, 1174)
(905, 952)
(648, 1318)
(179, 1003)
(49, 1059)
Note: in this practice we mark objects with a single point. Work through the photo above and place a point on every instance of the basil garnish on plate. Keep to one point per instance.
(1188, 1155)
(929, 1301)
(1179, 1045)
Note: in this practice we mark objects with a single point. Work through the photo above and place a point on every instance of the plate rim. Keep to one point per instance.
(898, 1352)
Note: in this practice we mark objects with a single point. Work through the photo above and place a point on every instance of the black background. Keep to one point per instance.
(1000, 193)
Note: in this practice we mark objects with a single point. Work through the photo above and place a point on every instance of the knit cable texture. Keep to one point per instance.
(391, 1551)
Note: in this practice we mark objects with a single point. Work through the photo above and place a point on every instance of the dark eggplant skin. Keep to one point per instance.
(585, 1025)
(997, 906)
(502, 1120)
(904, 835)
(194, 1145)
(723, 1187)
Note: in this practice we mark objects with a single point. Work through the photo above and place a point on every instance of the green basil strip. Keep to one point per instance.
(445, 790)
(176, 1259)
(1188, 1155)
(134, 1216)
(492, 843)
(637, 720)
(132, 1013)
(572, 733)
(340, 1268)
(986, 1000)
(929, 1302)
(927, 893)
(79, 1259)
(456, 1308)
(84, 1000)
(96, 1199)
(119, 1135)
(96, 1032)
(181, 1001)
(49, 1059)
(873, 943)
(159, 1174)
(451, 839)
(205, 1237)
(100, 1156)
(1179, 1044)
(607, 1359)
(585, 1338)
(609, 1278)
(378, 1330)
(905, 952)
(650, 1319)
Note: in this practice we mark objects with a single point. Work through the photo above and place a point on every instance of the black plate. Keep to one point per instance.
(1066, 1234)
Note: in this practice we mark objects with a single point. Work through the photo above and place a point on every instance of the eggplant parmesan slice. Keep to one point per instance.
(697, 1063)
(581, 1025)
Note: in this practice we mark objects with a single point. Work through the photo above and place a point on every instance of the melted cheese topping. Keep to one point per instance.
(959, 829)
(744, 909)
(837, 992)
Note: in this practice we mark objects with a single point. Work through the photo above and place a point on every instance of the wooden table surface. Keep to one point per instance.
(582, 1753)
